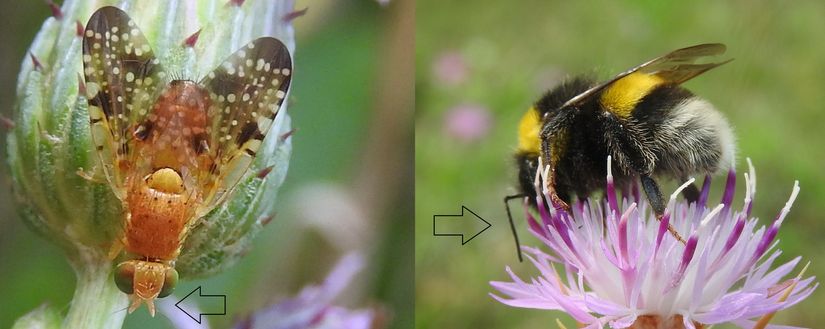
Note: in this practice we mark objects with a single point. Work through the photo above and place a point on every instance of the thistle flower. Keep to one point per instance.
(60, 189)
(620, 266)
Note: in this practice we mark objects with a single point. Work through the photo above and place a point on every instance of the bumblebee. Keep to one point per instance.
(643, 118)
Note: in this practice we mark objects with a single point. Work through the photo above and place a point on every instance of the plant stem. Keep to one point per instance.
(97, 303)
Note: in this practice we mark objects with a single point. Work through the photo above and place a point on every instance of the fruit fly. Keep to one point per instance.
(172, 149)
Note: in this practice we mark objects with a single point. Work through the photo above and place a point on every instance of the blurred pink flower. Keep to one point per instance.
(311, 309)
(467, 122)
(450, 69)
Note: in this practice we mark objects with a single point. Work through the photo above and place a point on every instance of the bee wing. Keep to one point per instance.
(122, 80)
(246, 93)
(678, 66)
(674, 67)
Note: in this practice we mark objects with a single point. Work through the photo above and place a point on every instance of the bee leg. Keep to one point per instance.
(554, 197)
(654, 195)
(625, 143)
(547, 135)
(552, 189)
(513, 225)
(691, 193)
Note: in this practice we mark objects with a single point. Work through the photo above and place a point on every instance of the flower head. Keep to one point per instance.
(619, 266)
(57, 178)
(57, 169)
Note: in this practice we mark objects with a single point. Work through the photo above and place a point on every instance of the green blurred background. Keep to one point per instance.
(349, 185)
(500, 56)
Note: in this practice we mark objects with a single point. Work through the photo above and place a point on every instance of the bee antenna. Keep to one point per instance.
(512, 224)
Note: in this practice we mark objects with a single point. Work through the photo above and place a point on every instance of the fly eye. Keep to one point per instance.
(124, 277)
(170, 280)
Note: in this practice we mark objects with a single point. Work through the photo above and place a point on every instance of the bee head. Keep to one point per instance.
(527, 165)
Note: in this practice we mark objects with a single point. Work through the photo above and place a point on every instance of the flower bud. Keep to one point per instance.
(57, 178)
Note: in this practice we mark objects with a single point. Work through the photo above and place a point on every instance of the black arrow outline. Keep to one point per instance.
(200, 315)
(463, 242)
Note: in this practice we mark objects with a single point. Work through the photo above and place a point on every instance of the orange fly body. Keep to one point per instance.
(172, 149)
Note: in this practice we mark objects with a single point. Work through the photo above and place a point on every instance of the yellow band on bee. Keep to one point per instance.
(528, 132)
(621, 97)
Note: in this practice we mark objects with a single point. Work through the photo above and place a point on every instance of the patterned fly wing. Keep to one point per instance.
(246, 92)
(123, 78)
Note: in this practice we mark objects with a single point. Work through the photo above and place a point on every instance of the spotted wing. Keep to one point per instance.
(122, 81)
(674, 67)
(246, 92)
